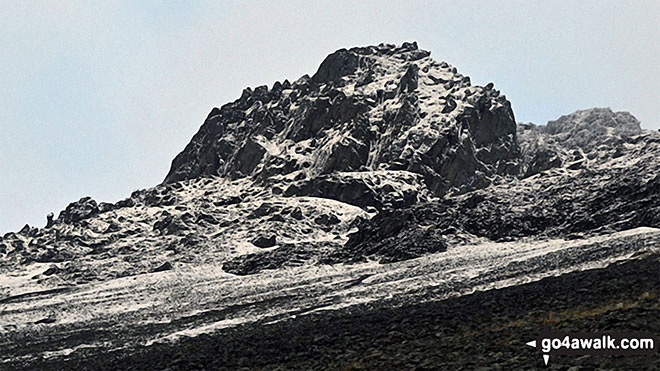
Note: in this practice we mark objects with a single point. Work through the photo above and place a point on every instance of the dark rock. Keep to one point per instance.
(207, 218)
(172, 224)
(192, 240)
(408, 82)
(449, 106)
(263, 210)
(326, 219)
(231, 200)
(51, 270)
(264, 242)
(163, 267)
(390, 236)
(49, 220)
(378, 190)
(277, 218)
(297, 214)
(129, 202)
(542, 161)
(105, 207)
(337, 65)
(52, 255)
(85, 208)
(165, 221)
(365, 79)
(28, 231)
(112, 228)
(46, 320)
(158, 196)
(284, 256)
(576, 165)
(247, 158)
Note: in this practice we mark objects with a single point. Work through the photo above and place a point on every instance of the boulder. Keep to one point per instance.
(265, 242)
(82, 209)
(164, 267)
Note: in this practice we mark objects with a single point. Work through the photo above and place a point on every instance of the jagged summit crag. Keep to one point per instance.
(372, 108)
(582, 137)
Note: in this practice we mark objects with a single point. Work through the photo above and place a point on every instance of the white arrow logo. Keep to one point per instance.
(546, 357)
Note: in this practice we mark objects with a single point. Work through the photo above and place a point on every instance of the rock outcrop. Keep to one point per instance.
(591, 172)
(366, 109)
(588, 136)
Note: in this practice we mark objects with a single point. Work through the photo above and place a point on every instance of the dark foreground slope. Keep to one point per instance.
(482, 330)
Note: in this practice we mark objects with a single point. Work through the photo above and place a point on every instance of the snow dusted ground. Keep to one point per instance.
(206, 221)
(135, 311)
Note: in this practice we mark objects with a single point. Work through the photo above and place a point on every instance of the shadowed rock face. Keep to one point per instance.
(76, 211)
(378, 189)
(591, 172)
(370, 108)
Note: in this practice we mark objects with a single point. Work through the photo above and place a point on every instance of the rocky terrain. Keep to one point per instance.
(483, 330)
(383, 184)
(373, 108)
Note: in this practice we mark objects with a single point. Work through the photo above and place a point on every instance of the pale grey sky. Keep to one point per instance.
(97, 98)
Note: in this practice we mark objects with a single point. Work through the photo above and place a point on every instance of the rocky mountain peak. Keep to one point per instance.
(384, 182)
(363, 60)
(370, 108)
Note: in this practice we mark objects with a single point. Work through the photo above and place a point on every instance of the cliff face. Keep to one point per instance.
(366, 109)
(592, 172)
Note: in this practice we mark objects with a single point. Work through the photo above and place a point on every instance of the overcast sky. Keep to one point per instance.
(97, 99)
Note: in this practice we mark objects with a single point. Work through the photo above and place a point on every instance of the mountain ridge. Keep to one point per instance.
(318, 165)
